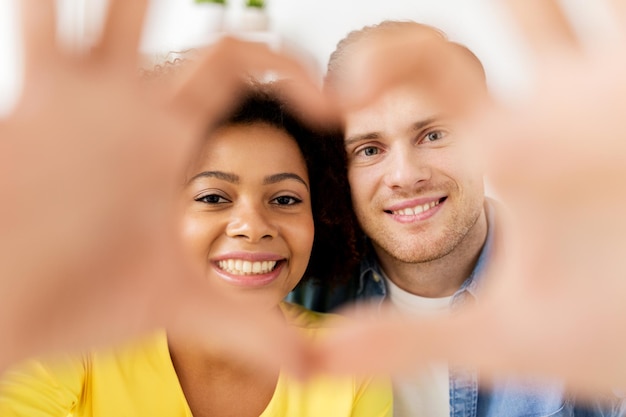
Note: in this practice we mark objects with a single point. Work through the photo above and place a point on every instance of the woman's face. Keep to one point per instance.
(248, 212)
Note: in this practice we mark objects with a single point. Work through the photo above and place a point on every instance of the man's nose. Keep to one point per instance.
(406, 168)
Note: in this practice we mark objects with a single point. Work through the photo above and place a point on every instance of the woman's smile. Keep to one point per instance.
(247, 273)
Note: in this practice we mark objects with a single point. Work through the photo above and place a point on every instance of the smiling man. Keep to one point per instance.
(421, 206)
(418, 194)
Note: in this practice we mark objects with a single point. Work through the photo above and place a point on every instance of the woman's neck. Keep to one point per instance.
(215, 383)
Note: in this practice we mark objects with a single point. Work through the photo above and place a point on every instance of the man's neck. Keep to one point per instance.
(440, 277)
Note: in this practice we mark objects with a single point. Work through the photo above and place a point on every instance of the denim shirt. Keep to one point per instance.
(507, 397)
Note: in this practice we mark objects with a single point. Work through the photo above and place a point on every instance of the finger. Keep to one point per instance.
(122, 31)
(191, 309)
(543, 24)
(539, 337)
(231, 61)
(210, 85)
(619, 11)
(384, 64)
(235, 330)
(405, 344)
(39, 33)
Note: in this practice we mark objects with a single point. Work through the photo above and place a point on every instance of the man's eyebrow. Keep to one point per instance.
(361, 137)
(419, 125)
(273, 179)
(226, 176)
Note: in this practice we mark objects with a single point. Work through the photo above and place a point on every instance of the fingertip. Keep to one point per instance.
(38, 19)
(122, 32)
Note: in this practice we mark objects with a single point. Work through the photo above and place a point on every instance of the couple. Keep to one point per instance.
(416, 197)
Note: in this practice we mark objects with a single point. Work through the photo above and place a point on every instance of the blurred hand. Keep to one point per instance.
(555, 301)
(561, 276)
(91, 161)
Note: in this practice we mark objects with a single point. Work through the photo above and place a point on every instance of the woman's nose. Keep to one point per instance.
(252, 223)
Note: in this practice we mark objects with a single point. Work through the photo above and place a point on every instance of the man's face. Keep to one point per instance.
(416, 194)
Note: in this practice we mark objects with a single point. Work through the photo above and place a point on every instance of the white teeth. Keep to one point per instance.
(412, 211)
(241, 267)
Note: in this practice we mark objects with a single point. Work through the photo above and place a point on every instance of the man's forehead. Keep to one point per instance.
(409, 99)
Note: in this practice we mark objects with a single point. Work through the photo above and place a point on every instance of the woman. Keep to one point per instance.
(266, 203)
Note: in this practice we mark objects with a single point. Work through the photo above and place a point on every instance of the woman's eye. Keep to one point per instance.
(435, 135)
(285, 200)
(211, 199)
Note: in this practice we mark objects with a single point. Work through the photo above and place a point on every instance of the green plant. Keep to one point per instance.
(255, 3)
(211, 1)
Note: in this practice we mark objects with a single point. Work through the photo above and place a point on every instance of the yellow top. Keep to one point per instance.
(139, 380)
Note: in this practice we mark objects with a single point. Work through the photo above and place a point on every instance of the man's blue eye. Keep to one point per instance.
(435, 135)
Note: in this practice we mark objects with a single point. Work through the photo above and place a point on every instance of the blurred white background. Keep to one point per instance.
(315, 26)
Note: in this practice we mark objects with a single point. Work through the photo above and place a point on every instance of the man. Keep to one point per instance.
(419, 198)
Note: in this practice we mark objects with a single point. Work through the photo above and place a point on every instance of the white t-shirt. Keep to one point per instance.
(427, 392)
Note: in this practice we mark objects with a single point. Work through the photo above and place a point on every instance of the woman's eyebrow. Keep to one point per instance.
(273, 179)
(226, 176)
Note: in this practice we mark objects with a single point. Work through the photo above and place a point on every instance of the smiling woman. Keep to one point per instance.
(266, 203)
(286, 153)
(249, 210)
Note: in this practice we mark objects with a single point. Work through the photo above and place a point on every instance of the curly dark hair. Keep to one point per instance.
(334, 255)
